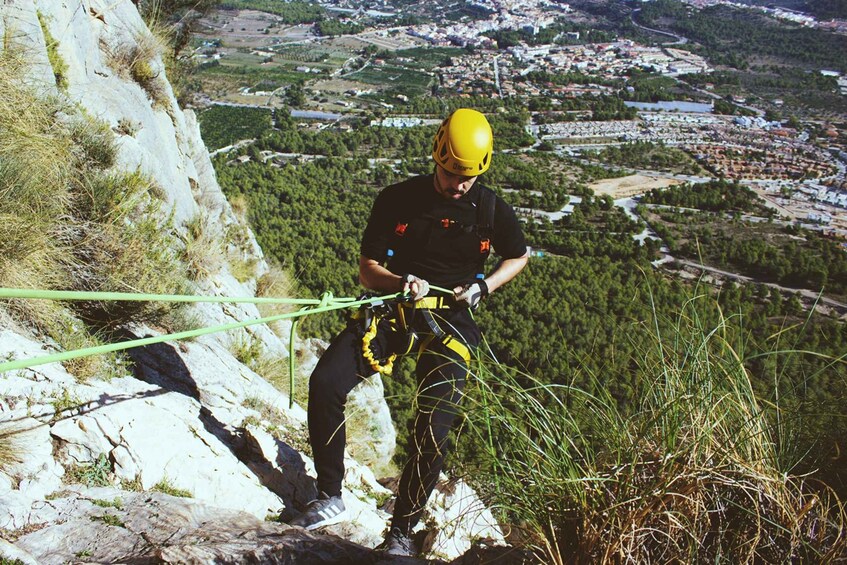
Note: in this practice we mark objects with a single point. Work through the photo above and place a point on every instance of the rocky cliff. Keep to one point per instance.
(185, 454)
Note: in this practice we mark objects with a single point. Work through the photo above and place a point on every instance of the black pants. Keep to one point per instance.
(441, 374)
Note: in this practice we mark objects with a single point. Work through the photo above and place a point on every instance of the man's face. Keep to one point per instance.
(452, 186)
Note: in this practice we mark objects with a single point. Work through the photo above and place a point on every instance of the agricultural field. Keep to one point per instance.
(244, 55)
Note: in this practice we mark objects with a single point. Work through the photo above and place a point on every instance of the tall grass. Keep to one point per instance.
(10, 451)
(68, 221)
(203, 249)
(696, 472)
(276, 282)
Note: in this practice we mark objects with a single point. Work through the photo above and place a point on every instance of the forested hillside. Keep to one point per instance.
(571, 317)
(730, 36)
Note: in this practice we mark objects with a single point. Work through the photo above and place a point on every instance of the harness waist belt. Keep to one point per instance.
(431, 303)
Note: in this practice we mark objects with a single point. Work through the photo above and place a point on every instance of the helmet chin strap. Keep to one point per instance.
(441, 190)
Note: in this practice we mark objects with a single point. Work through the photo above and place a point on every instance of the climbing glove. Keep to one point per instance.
(417, 287)
(470, 295)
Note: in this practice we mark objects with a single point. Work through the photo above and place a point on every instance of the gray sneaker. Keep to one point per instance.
(322, 511)
(398, 543)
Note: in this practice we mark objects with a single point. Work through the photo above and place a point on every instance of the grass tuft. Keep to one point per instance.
(695, 473)
(136, 61)
(240, 253)
(116, 503)
(109, 520)
(95, 474)
(203, 248)
(166, 487)
(276, 283)
(10, 451)
(130, 249)
(251, 352)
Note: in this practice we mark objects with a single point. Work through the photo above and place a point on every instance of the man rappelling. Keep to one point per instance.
(429, 231)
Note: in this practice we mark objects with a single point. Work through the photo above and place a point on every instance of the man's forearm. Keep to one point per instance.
(374, 276)
(506, 271)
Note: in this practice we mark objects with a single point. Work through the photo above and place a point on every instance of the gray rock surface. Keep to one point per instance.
(104, 525)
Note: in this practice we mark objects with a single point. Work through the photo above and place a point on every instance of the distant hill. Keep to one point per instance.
(823, 9)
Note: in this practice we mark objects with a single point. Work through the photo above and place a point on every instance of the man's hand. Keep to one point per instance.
(416, 286)
(470, 295)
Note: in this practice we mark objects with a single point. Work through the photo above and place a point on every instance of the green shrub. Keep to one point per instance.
(65, 402)
(58, 64)
(165, 486)
(95, 474)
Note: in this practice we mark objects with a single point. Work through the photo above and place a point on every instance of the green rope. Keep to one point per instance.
(323, 305)
(291, 367)
(138, 297)
(326, 303)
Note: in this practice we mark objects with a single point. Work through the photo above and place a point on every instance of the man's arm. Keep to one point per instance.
(506, 271)
(470, 294)
(374, 276)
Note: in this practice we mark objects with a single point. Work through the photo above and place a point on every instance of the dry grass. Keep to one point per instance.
(203, 248)
(239, 252)
(693, 474)
(67, 222)
(138, 61)
(36, 173)
(276, 283)
(10, 453)
(251, 352)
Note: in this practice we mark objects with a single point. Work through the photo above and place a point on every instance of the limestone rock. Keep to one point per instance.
(460, 519)
(164, 436)
(454, 520)
(36, 473)
(111, 526)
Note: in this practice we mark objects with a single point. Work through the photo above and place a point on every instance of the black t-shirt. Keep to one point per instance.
(441, 241)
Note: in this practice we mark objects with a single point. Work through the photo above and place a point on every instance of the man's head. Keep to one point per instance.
(463, 144)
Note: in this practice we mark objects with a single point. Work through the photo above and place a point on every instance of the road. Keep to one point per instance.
(808, 294)
(679, 39)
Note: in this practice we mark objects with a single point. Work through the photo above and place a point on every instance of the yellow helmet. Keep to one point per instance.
(464, 143)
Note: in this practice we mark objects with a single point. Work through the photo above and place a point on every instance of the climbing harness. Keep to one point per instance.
(396, 317)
